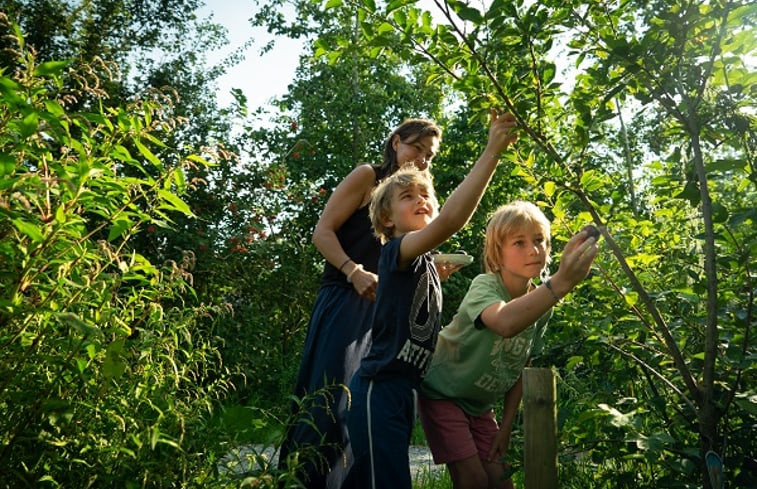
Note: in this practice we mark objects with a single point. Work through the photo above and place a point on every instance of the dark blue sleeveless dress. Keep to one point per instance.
(338, 338)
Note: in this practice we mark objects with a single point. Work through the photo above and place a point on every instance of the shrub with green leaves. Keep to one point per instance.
(109, 363)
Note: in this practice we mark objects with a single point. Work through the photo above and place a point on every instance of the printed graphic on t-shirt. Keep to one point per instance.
(423, 321)
(512, 348)
(425, 309)
(416, 355)
(507, 355)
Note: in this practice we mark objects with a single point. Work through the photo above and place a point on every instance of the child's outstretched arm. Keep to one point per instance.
(510, 318)
(460, 206)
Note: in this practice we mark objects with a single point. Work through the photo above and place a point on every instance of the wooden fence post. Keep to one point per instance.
(540, 428)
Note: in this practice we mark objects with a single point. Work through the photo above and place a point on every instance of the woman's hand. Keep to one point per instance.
(365, 283)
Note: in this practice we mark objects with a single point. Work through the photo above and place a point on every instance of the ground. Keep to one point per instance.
(239, 460)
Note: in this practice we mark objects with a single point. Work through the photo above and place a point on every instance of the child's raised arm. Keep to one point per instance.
(461, 204)
(510, 318)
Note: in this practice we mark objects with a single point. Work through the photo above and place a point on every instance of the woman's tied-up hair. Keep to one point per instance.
(508, 219)
(409, 131)
(381, 199)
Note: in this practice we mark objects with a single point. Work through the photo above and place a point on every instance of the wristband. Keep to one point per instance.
(345, 262)
(548, 285)
(349, 276)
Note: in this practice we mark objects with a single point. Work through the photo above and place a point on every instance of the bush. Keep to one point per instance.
(110, 365)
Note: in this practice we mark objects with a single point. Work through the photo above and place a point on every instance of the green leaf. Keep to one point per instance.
(175, 202)
(655, 443)
(29, 230)
(51, 68)
(369, 5)
(548, 72)
(385, 28)
(154, 436)
(333, 4)
(113, 366)
(157, 142)
(54, 108)
(28, 125)
(121, 153)
(574, 361)
(395, 4)
(617, 418)
(726, 165)
(643, 260)
(60, 214)
(200, 160)
(748, 402)
(591, 180)
(690, 192)
(81, 364)
(144, 151)
(719, 212)
(549, 189)
(180, 179)
(118, 228)
(7, 164)
(466, 12)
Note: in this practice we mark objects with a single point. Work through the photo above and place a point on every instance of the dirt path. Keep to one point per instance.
(239, 460)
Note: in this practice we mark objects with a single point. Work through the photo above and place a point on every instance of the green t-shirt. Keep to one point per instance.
(472, 365)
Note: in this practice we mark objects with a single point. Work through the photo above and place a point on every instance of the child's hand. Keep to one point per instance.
(501, 132)
(575, 263)
(446, 269)
(499, 446)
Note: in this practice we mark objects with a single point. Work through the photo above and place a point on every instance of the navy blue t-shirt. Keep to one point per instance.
(407, 317)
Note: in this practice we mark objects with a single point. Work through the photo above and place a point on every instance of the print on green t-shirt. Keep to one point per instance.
(472, 365)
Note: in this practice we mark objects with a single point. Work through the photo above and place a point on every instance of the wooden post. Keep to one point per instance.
(540, 428)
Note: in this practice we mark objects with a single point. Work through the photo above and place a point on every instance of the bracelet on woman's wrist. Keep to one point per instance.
(345, 262)
(352, 272)
(548, 285)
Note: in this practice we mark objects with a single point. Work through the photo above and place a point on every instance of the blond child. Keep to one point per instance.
(408, 310)
(498, 327)
(339, 329)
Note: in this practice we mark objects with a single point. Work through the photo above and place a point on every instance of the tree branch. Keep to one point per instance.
(657, 374)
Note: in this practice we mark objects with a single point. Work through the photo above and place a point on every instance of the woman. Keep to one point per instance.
(339, 330)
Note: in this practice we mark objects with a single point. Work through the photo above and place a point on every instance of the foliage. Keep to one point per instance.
(286, 172)
(161, 48)
(138, 47)
(666, 323)
(110, 365)
(638, 116)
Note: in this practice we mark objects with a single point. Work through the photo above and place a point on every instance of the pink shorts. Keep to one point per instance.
(452, 434)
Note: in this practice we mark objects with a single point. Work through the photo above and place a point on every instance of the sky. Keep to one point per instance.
(260, 77)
